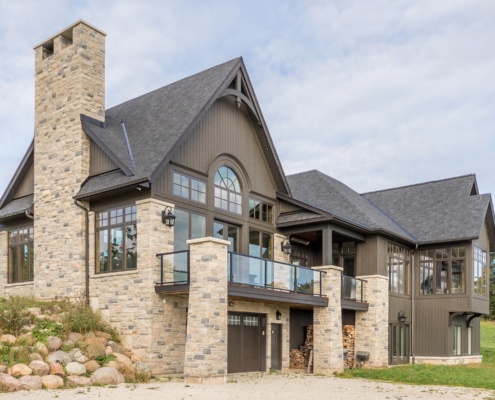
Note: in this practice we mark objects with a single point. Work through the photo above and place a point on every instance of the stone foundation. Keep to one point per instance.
(459, 360)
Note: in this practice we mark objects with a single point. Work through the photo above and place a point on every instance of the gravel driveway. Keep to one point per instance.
(278, 386)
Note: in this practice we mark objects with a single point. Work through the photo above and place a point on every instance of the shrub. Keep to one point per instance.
(46, 328)
(82, 318)
(13, 314)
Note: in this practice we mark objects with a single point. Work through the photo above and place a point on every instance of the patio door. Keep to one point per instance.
(399, 344)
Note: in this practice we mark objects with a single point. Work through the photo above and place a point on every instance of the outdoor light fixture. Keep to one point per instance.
(278, 315)
(401, 316)
(286, 247)
(168, 218)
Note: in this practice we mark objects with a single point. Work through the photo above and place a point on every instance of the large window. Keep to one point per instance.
(189, 188)
(228, 194)
(399, 262)
(187, 226)
(260, 210)
(116, 235)
(229, 232)
(480, 272)
(260, 244)
(21, 255)
(442, 271)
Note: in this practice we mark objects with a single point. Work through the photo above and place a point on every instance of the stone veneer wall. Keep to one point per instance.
(327, 325)
(457, 360)
(270, 310)
(206, 341)
(127, 299)
(372, 325)
(69, 82)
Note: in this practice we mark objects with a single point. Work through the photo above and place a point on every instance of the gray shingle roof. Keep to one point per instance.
(436, 211)
(330, 195)
(16, 207)
(155, 123)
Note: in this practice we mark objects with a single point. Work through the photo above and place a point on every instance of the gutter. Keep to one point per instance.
(86, 256)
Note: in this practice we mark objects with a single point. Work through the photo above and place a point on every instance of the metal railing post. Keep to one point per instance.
(161, 270)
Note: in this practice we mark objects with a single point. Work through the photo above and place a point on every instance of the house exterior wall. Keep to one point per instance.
(371, 257)
(100, 162)
(69, 82)
(27, 185)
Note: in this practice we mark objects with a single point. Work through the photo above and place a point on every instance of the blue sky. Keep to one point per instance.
(374, 93)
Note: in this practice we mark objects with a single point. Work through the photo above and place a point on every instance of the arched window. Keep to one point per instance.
(228, 194)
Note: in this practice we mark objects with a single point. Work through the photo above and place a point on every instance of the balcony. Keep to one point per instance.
(354, 293)
(248, 277)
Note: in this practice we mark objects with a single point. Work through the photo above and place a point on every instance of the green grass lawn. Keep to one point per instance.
(474, 375)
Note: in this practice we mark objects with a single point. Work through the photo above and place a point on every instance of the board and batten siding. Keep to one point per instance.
(27, 185)
(99, 161)
(371, 257)
(225, 130)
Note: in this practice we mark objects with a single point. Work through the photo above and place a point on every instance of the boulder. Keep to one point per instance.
(6, 338)
(4, 369)
(39, 368)
(53, 343)
(78, 356)
(115, 364)
(108, 350)
(74, 368)
(41, 348)
(78, 381)
(27, 338)
(89, 335)
(34, 310)
(31, 382)
(103, 335)
(95, 350)
(57, 369)
(107, 376)
(52, 381)
(142, 369)
(76, 337)
(67, 345)
(96, 340)
(123, 359)
(21, 370)
(59, 356)
(56, 308)
(9, 383)
(117, 348)
(135, 358)
(35, 356)
(91, 365)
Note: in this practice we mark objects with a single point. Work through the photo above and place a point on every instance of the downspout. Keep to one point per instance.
(86, 256)
(412, 302)
(29, 215)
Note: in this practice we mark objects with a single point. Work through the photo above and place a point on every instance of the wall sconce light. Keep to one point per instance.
(231, 304)
(278, 315)
(401, 316)
(286, 247)
(168, 218)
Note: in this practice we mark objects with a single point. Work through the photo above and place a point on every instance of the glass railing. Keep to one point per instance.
(174, 268)
(272, 275)
(353, 289)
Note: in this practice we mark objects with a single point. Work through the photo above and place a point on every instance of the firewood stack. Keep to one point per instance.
(299, 357)
(348, 338)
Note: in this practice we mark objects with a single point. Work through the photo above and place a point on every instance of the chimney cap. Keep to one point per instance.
(67, 32)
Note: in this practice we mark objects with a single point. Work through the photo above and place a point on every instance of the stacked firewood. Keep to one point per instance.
(299, 358)
(348, 338)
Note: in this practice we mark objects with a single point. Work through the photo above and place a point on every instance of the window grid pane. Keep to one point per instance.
(21, 255)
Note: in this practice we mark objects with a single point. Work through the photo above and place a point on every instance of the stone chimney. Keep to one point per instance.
(69, 81)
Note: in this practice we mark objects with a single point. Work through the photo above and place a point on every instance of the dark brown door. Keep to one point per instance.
(246, 342)
(276, 346)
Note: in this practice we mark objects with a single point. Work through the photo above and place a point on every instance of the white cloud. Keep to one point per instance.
(376, 94)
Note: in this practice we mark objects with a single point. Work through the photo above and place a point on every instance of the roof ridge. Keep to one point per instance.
(419, 184)
(175, 82)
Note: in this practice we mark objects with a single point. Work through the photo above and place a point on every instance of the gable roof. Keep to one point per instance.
(330, 195)
(437, 211)
(142, 134)
(26, 162)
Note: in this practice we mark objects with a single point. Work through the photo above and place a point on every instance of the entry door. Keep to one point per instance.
(276, 346)
(399, 344)
(246, 342)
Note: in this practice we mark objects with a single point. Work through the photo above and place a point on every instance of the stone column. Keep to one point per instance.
(372, 325)
(206, 340)
(327, 334)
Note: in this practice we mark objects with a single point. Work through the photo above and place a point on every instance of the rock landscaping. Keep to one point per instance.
(43, 355)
